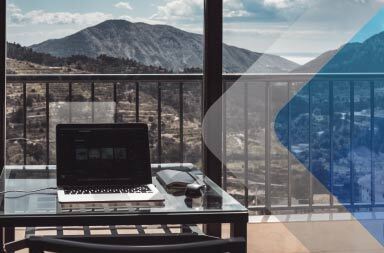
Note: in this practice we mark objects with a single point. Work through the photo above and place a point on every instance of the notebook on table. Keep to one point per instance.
(174, 179)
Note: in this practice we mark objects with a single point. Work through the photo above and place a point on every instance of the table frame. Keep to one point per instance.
(238, 221)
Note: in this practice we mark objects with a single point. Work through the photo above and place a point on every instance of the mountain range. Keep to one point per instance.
(365, 57)
(157, 45)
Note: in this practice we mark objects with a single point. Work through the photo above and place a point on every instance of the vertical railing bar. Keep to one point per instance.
(137, 104)
(373, 171)
(47, 122)
(70, 101)
(3, 91)
(352, 123)
(93, 101)
(224, 140)
(181, 121)
(201, 117)
(115, 101)
(331, 146)
(289, 146)
(267, 148)
(25, 123)
(159, 151)
(246, 155)
(310, 178)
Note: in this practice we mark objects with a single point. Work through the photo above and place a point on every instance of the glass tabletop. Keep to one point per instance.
(31, 178)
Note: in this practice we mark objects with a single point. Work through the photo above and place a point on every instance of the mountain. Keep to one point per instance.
(316, 64)
(158, 45)
(366, 57)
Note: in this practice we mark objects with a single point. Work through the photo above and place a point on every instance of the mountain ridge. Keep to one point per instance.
(354, 57)
(159, 45)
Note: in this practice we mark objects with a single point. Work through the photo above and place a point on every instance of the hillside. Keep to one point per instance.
(101, 65)
(316, 64)
(25, 67)
(158, 45)
(366, 57)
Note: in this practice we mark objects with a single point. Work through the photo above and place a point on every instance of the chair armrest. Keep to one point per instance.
(53, 244)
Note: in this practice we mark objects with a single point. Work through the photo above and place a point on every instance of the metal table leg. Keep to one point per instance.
(212, 229)
(239, 229)
(2, 240)
(7, 235)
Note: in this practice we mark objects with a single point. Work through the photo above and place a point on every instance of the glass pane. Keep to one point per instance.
(192, 123)
(378, 148)
(235, 144)
(279, 154)
(170, 121)
(98, 51)
(299, 144)
(320, 141)
(361, 143)
(322, 137)
(71, 37)
(341, 142)
(256, 143)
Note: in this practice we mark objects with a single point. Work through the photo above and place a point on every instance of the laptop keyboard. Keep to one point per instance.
(108, 189)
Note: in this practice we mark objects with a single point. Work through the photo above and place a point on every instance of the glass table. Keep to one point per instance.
(32, 209)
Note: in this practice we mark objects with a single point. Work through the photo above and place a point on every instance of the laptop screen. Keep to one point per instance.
(102, 154)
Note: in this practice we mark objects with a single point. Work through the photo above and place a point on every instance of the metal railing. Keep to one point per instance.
(362, 89)
(242, 181)
(155, 81)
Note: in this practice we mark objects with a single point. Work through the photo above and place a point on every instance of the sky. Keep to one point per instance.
(298, 30)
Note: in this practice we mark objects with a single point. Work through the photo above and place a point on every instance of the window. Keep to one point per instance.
(297, 135)
(107, 41)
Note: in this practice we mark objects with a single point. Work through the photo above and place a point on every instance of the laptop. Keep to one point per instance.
(104, 165)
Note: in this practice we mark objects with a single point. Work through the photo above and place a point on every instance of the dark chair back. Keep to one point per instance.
(41, 244)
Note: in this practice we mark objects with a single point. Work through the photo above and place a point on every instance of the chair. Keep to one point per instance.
(41, 244)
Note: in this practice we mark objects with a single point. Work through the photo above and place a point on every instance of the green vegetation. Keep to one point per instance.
(103, 64)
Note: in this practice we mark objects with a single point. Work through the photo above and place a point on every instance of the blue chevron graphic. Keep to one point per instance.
(334, 125)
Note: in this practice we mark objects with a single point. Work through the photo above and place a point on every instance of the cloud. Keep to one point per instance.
(275, 10)
(188, 10)
(12, 8)
(192, 10)
(245, 10)
(287, 10)
(124, 5)
(141, 20)
(16, 16)
(282, 4)
(232, 9)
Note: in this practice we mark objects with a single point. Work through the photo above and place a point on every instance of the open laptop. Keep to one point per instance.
(104, 165)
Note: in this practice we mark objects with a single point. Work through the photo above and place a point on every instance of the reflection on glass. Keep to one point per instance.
(107, 153)
(81, 154)
(94, 154)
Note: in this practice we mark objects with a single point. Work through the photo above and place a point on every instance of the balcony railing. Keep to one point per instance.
(258, 170)
(100, 88)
